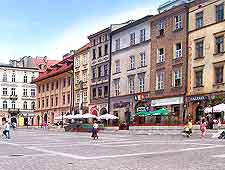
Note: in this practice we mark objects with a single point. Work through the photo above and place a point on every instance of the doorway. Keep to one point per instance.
(199, 112)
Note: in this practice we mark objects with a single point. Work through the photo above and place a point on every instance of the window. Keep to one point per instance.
(43, 103)
(77, 78)
(142, 35)
(32, 78)
(13, 104)
(142, 59)
(47, 87)
(52, 101)
(141, 83)
(100, 39)
(43, 88)
(99, 71)
(52, 85)
(94, 54)
(199, 78)
(68, 81)
(106, 89)
(25, 78)
(33, 92)
(106, 37)
(220, 12)
(47, 102)
(94, 92)
(160, 81)
(106, 49)
(199, 47)
(219, 74)
(68, 98)
(100, 51)
(33, 105)
(57, 84)
(161, 28)
(25, 105)
(132, 62)
(118, 44)
(94, 73)
(117, 66)
(178, 22)
(94, 42)
(85, 95)
(78, 97)
(24, 92)
(13, 91)
(64, 82)
(39, 89)
(100, 92)
(117, 87)
(77, 61)
(13, 77)
(64, 99)
(39, 103)
(199, 20)
(220, 44)
(177, 78)
(132, 39)
(4, 91)
(4, 79)
(131, 85)
(85, 59)
(106, 73)
(84, 76)
(5, 105)
(56, 101)
(161, 57)
(178, 50)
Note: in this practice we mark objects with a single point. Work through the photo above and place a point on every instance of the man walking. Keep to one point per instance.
(6, 130)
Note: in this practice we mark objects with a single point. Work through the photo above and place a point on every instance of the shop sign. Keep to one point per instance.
(198, 98)
(141, 109)
(121, 105)
(142, 97)
(167, 101)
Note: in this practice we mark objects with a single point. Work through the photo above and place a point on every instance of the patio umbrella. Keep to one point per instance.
(160, 112)
(88, 115)
(219, 108)
(59, 117)
(78, 116)
(70, 117)
(108, 117)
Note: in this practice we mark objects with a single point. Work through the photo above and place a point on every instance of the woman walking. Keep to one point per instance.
(203, 128)
(95, 130)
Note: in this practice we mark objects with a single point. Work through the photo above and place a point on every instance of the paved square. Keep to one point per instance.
(45, 150)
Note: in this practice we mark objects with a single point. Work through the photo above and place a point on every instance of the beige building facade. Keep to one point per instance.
(206, 76)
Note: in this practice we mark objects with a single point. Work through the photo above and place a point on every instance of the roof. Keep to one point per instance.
(132, 24)
(61, 67)
(13, 67)
(42, 60)
(98, 33)
(82, 49)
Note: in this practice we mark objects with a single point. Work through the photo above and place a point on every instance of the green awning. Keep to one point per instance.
(143, 113)
(160, 112)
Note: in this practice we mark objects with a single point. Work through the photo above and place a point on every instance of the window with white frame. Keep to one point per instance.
(4, 79)
(85, 95)
(132, 62)
(13, 104)
(178, 22)
(13, 77)
(142, 35)
(117, 87)
(132, 39)
(141, 83)
(32, 105)
(33, 93)
(85, 76)
(24, 92)
(4, 91)
(117, 66)
(85, 62)
(178, 51)
(117, 44)
(5, 105)
(131, 84)
(142, 59)
(177, 78)
(25, 105)
(161, 55)
(13, 91)
(25, 78)
(160, 80)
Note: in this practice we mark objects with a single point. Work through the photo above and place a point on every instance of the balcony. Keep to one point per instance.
(5, 96)
(14, 110)
(13, 97)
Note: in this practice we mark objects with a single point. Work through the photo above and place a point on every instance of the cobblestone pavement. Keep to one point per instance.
(44, 150)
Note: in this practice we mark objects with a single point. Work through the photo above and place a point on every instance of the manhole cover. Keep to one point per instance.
(16, 155)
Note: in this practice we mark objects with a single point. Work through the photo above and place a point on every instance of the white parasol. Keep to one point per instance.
(108, 117)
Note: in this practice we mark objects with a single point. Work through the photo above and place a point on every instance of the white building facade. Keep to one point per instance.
(130, 72)
(18, 94)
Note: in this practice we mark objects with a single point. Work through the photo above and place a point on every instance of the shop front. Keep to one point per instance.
(98, 109)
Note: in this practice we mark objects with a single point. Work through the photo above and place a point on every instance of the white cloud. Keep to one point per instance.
(76, 36)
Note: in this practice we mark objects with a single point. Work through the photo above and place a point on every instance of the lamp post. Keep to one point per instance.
(27, 120)
(62, 119)
(81, 97)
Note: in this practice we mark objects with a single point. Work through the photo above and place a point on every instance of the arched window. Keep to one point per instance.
(5, 105)
(4, 77)
(33, 105)
(13, 104)
(25, 105)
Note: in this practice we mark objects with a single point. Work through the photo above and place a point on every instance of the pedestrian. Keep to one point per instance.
(6, 130)
(14, 126)
(95, 130)
(219, 124)
(190, 127)
(203, 128)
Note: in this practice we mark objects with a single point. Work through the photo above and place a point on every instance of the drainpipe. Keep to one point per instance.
(110, 62)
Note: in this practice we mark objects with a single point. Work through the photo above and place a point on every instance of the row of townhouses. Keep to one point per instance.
(174, 60)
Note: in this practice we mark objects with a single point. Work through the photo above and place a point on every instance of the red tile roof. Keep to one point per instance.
(42, 60)
(60, 67)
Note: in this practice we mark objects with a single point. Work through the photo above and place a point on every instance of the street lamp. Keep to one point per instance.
(81, 97)
(62, 119)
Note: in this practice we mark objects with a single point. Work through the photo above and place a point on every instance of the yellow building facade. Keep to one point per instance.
(206, 74)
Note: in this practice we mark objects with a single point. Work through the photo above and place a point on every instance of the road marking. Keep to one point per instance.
(218, 156)
(34, 155)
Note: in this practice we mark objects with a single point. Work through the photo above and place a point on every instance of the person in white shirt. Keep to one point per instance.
(6, 130)
(95, 130)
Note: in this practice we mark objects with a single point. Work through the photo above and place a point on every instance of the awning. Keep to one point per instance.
(160, 112)
(143, 113)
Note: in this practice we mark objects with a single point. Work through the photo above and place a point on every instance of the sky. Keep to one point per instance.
(54, 27)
